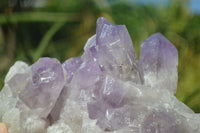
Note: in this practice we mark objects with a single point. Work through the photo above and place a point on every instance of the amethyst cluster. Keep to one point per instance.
(105, 90)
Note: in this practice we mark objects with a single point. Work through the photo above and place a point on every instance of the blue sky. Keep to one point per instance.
(194, 4)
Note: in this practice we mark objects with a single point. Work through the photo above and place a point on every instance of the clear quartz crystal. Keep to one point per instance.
(105, 90)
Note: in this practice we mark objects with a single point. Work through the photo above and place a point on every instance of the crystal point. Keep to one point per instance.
(44, 87)
(159, 60)
(115, 52)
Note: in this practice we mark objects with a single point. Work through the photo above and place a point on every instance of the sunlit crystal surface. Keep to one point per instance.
(159, 60)
(107, 89)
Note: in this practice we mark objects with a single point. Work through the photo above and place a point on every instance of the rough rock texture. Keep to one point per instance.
(105, 90)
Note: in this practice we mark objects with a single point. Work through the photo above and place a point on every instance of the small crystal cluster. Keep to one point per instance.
(105, 90)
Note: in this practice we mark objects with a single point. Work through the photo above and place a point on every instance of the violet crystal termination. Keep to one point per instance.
(105, 90)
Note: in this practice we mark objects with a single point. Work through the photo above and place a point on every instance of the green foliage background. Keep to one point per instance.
(60, 29)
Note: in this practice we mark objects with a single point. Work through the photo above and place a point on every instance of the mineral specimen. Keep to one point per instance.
(105, 90)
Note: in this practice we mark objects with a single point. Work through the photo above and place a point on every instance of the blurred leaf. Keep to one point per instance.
(37, 17)
(45, 40)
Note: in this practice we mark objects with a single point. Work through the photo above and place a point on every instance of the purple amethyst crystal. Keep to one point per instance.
(115, 52)
(71, 66)
(86, 81)
(105, 90)
(112, 92)
(159, 60)
(90, 49)
(43, 89)
(161, 122)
